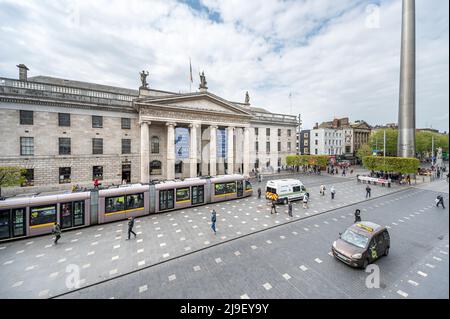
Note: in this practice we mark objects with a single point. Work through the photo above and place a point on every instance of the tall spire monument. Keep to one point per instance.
(406, 145)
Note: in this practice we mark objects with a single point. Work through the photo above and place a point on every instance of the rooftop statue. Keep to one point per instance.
(144, 75)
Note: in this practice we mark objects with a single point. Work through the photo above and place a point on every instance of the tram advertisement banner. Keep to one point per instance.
(182, 142)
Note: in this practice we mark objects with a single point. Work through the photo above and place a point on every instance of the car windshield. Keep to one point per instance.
(355, 238)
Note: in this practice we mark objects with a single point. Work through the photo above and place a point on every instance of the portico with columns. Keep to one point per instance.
(202, 114)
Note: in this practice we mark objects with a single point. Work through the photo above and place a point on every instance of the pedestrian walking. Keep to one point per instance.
(213, 221)
(357, 216)
(368, 191)
(389, 181)
(333, 192)
(322, 190)
(305, 201)
(290, 209)
(57, 232)
(130, 227)
(440, 201)
(259, 193)
(274, 207)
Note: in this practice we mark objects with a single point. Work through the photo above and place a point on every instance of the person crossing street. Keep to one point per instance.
(259, 193)
(213, 221)
(440, 201)
(57, 232)
(333, 192)
(368, 191)
(130, 227)
(273, 208)
(290, 209)
(357, 216)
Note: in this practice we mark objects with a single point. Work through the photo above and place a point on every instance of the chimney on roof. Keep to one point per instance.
(23, 76)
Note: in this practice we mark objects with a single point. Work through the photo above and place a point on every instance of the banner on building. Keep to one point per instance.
(222, 143)
(181, 142)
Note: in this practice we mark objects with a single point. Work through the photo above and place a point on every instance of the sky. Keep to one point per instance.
(318, 58)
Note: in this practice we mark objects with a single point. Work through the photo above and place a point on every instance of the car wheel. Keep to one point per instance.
(386, 252)
(365, 263)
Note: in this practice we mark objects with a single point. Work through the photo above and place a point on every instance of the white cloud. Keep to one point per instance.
(321, 50)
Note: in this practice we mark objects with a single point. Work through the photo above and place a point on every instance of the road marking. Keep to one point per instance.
(17, 284)
(172, 277)
(40, 255)
(19, 252)
(91, 253)
(43, 293)
(62, 260)
(395, 224)
(74, 240)
(143, 288)
(30, 268)
(54, 274)
(113, 272)
(197, 268)
(422, 273)
(166, 255)
(114, 258)
(282, 237)
(98, 235)
(86, 266)
(68, 249)
(402, 293)
(94, 243)
(443, 252)
(267, 286)
(218, 260)
(317, 260)
(139, 240)
(413, 283)
(245, 296)
(141, 263)
(162, 244)
(286, 276)
(429, 265)
(437, 258)
(254, 247)
(237, 253)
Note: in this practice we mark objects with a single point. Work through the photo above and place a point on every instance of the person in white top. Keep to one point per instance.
(305, 201)
(322, 190)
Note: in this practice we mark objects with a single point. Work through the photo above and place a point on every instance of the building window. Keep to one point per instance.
(26, 117)
(63, 119)
(97, 121)
(305, 150)
(267, 131)
(289, 146)
(256, 131)
(267, 147)
(305, 143)
(317, 142)
(126, 146)
(317, 134)
(155, 145)
(279, 161)
(267, 163)
(64, 175)
(178, 167)
(97, 172)
(64, 146)
(28, 176)
(279, 146)
(316, 151)
(279, 132)
(27, 146)
(155, 168)
(257, 163)
(289, 133)
(256, 147)
(126, 123)
(306, 135)
(97, 146)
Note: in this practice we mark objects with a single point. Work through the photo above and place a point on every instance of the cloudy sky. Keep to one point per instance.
(333, 57)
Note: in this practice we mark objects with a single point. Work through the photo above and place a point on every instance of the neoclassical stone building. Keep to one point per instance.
(68, 132)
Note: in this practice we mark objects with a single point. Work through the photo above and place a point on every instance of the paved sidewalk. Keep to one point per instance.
(34, 268)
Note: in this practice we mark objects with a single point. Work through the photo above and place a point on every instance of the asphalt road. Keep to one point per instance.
(292, 260)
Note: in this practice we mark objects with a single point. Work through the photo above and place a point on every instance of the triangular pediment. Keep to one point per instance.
(206, 102)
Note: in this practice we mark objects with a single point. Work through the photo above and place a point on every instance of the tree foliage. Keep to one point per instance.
(391, 164)
(307, 160)
(364, 150)
(11, 176)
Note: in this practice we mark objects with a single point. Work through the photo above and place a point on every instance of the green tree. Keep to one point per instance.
(392, 164)
(376, 141)
(364, 150)
(11, 176)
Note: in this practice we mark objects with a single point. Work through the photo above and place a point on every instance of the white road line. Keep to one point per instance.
(197, 268)
(422, 273)
(17, 284)
(139, 251)
(413, 283)
(429, 265)
(245, 296)
(166, 255)
(237, 253)
(317, 260)
(218, 260)
(286, 276)
(267, 286)
(91, 253)
(113, 272)
(143, 288)
(114, 258)
(172, 277)
(141, 263)
(402, 293)
(437, 258)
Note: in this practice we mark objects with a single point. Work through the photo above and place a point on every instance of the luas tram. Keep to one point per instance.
(27, 216)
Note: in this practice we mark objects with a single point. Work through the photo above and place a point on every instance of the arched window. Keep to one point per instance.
(155, 168)
(155, 145)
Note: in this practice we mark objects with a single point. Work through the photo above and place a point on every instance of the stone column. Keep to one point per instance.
(145, 156)
(193, 149)
(246, 151)
(212, 150)
(170, 163)
(230, 150)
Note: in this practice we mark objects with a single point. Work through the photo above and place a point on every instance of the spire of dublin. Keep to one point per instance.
(406, 144)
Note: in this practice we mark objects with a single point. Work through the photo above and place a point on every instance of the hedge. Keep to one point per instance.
(302, 160)
(391, 164)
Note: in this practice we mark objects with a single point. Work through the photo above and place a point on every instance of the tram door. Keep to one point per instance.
(166, 200)
(240, 188)
(12, 223)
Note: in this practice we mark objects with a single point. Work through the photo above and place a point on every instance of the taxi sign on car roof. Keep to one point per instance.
(367, 228)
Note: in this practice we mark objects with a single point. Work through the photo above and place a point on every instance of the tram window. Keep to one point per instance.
(114, 204)
(166, 199)
(42, 215)
(18, 219)
(182, 194)
(248, 186)
(197, 194)
(231, 187)
(66, 215)
(135, 201)
(219, 189)
(78, 213)
(4, 224)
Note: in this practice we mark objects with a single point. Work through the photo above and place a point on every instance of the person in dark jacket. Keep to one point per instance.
(259, 193)
(57, 232)
(130, 227)
(440, 201)
(357, 216)
(368, 191)
(274, 207)
(213, 221)
(290, 209)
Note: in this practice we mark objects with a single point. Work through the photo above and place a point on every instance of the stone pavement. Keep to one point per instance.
(34, 268)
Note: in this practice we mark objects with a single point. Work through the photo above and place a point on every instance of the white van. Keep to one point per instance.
(283, 190)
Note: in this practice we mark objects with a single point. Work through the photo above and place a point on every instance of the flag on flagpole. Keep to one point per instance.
(190, 71)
